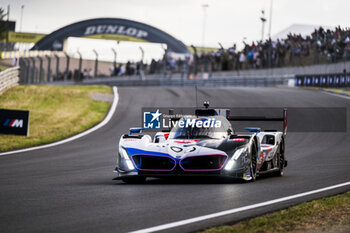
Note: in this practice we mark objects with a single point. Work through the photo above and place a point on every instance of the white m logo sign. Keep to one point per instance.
(17, 123)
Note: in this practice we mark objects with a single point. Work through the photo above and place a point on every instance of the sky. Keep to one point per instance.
(226, 21)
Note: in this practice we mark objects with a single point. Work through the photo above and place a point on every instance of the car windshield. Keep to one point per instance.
(195, 132)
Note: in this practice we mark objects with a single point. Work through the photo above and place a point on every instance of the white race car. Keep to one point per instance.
(190, 150)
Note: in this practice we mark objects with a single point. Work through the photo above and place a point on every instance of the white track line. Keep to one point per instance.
(236, 210)
(96, 127)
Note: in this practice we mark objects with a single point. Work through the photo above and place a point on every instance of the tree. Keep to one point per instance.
(3, 25)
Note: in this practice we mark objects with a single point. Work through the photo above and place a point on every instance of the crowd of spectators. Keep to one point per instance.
(318, 47)
(334, 45)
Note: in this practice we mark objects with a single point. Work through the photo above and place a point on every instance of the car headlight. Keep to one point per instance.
(235, 156)
(126, 157)
(239, 152)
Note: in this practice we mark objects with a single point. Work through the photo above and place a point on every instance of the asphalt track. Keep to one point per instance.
(69, 187)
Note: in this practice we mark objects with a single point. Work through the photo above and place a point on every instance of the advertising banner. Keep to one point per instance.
(14, 122)
(25, 37)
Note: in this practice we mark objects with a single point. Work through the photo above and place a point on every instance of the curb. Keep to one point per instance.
(329, 90)
(335, 92)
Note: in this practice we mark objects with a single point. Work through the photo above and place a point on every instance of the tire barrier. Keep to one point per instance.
(9, 78)
(323, 80)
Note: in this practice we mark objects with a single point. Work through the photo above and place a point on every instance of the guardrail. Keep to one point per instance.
(9, 78)
(178, 81)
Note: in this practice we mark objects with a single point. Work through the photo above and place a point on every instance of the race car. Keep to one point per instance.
(190, 149)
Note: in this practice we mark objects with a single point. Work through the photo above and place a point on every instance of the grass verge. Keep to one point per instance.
(330, 214)
(56, 112)
(2, 68)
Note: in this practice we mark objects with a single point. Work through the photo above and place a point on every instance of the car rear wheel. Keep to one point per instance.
(280, 159)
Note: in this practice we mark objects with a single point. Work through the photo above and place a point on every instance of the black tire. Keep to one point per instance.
(280, 159)
(134, 180)
(253, 162)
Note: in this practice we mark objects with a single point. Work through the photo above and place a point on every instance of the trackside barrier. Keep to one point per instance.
(9, 78)
(340, 80)
(156, 81)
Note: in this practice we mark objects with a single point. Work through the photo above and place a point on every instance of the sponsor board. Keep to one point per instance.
(326, 80)
(330, 119)
(151, 119)
(14, 122)
(115, 29)
(160, 119)
(25, 37)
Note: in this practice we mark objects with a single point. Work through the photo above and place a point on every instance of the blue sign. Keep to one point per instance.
(152, 120)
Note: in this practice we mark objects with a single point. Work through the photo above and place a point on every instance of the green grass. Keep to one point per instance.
(2, 67)
(330, 214)
(56, 112)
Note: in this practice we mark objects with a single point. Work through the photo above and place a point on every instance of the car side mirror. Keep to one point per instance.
(135, 130)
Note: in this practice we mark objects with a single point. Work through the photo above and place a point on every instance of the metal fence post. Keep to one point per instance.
(32, 72)
(114, 62)
(48, 68)
(96, 63)
(40, 69)
(67, 66)
(22, 65)
(57, 65)
(27, 70)
(80, 62)
(142, 76)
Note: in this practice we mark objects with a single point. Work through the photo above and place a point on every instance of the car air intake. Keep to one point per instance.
(154, 162)
(203, 163)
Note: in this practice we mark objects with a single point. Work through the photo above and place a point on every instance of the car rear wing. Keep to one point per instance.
(263, 118)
